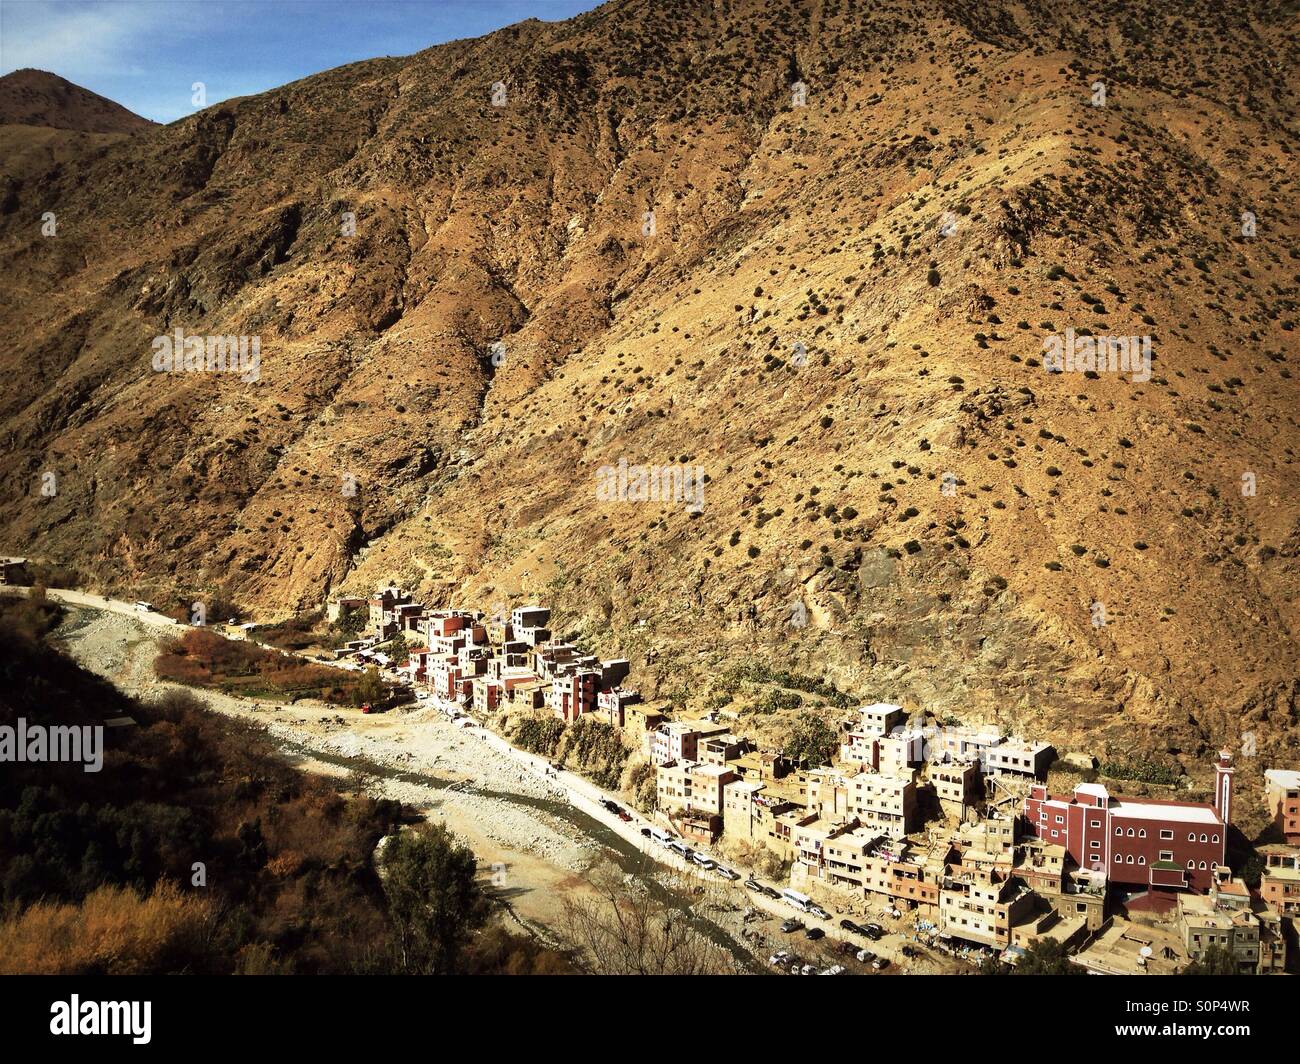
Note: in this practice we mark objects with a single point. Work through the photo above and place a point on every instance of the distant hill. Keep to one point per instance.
(39, 98)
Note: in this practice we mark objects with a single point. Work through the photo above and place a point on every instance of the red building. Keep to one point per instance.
(1139, 843)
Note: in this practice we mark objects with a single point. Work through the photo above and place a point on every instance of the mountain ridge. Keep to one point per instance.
(947, 197)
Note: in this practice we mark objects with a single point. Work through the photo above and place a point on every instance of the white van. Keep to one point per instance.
(661, 837)
(144, 607)
(800, 901)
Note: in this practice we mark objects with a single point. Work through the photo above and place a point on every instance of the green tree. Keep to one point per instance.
(434, 903)
(1214, 961)
(1045, 956)
(399, 650)
(810, 739)
(370, 688)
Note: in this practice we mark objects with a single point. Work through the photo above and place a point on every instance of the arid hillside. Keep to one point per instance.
(812, 249)
(47, 121)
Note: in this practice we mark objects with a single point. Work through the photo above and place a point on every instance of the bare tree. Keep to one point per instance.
(620, 928)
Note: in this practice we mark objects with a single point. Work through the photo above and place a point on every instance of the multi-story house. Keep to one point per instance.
(1282, 797)
(1279, 883)
(1136, 843)
(687, 786)
(880, 718)
(982, 906)
(678, 740)
(382, 622)
(1016, 757)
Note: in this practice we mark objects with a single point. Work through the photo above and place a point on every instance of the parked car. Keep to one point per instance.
(834, 969)
(807, 969)
(874, 932)
(646, 832)
(814, 933)
(865, 956)
(791, 925)
(770, 892)
(702, 861)
(908, 951)
(625, 816)
(880, 963)
(779, 959)
(849, 925)
(754, 885)
(819, 912)
(727, 873)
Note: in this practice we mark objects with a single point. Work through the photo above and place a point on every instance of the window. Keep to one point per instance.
(1191, 864)
(1060, 820)
(1119, 831)
(1214, 838)
(1166, 834)
(1095, 823)
(1130, 833)
(1142, 833)
(1118, 859)
(1142, 860)
(1202, 864)
(1129, 860)
(1191, 836)
(1204, 837)
(1095, 844)
(1167, 855)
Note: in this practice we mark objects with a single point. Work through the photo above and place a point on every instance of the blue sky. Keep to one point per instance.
(145, 54)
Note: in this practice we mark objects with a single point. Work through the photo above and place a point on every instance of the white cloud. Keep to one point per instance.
(84, 41)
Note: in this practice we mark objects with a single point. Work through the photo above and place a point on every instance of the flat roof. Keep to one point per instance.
(1183, 814)
(1283, 777)
(881, 707)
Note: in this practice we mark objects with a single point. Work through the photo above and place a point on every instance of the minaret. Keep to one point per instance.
(1223, 771)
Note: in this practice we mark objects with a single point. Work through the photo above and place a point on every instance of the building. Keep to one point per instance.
(529, 617)
(1206, 921)
(687, 786)
(574, 694)
(1123, 948)
(1136, 843)
(334, 611)
(1019, 758)
(981, 906)
(13, 572)
(1282, 798)
(612, 704)
(881, 718)
(722, 748)
(957, 786)
(382, 621)
(1279, 882)
(678, 740)
(749, 813)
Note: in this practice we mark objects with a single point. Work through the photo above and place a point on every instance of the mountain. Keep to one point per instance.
(38, 98)
(46, 121)
(839, 314)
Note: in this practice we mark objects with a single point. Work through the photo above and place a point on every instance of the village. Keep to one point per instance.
(949, 830)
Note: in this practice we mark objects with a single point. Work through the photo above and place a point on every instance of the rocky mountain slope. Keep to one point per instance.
(47, 121)
(644, 245)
